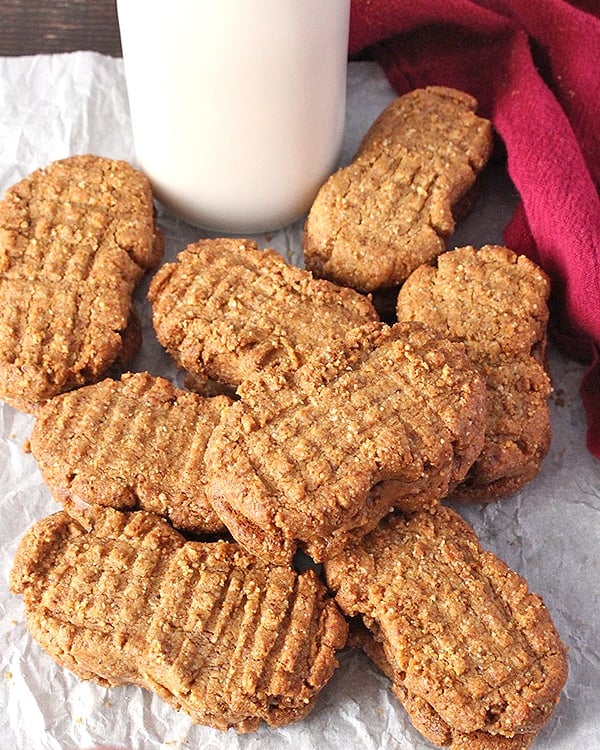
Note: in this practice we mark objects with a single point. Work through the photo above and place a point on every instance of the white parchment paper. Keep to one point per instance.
(55, 106)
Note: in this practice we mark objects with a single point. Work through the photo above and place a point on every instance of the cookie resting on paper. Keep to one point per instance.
(311, 458)
(422, 715)
(134, 443)
(209, 628)
(390, 210)
(468, 648)
(75, 239)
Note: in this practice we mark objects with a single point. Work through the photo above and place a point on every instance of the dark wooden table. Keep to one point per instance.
(29, 27)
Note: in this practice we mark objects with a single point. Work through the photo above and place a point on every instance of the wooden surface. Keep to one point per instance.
(29, 27)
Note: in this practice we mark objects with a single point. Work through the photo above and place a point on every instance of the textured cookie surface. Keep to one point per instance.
(422, 714)
(137, 443)
(226, 309)
(459, 629)
(495, 303)
(209, 628)
(75, 238)
(312, 457)
(382, 216)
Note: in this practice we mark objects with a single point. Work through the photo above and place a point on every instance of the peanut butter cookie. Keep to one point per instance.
(495, 303)
(313, 457)
(75, 238)
(226, 309)
(212, 630)
(421, 713)
(137, 443)
(469, 649)
(390, 210)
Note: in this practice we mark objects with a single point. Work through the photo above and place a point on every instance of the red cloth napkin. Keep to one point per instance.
(534, 67)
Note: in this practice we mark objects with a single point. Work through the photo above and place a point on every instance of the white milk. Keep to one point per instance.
(237, 106)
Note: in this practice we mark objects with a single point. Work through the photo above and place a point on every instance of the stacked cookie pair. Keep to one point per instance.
(75, 240)
(326, 421)
(471, 654)
(211, 629)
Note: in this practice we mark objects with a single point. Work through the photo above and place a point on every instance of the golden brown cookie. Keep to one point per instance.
(495, 303)
(137, 443)
(469, 649)
(314, 457)
(212, 630)
(421, 713)
(226, 309)
(75, 238)
(390, 210)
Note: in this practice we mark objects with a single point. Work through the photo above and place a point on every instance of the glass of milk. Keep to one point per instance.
(237, 106)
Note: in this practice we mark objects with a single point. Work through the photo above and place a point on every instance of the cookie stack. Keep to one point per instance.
(309, 425)
(472, 655)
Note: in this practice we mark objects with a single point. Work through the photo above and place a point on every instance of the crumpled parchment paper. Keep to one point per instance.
(55, 106)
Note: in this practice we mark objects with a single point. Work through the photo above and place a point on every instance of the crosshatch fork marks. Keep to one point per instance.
(205, 628)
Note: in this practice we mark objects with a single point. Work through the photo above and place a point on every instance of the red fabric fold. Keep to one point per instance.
(534, 67)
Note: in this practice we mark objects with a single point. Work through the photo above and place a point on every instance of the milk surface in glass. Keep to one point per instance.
(237, 106)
